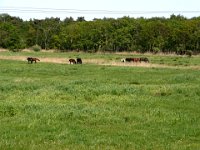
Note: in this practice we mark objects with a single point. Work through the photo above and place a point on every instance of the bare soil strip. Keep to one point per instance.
(100, 62)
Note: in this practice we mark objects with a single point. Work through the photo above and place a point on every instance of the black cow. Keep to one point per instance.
(79, 61)
(144, 59)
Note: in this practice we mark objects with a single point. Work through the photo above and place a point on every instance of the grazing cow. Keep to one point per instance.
(131, 60)
(123, 60)
(136, 60)
(72, 61)
(144, 59)
(31, 59)
(79, 61)
(127, 59)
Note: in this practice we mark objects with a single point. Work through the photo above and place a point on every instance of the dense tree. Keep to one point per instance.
(174, 34)
(11, 32)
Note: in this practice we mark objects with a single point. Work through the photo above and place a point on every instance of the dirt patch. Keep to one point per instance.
(27, 50)
(22, 58)
(3, 50)
(54, 60)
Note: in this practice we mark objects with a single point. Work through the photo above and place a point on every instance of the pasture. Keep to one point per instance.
(51, 105)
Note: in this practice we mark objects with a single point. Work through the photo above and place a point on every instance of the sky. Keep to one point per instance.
(90, 9)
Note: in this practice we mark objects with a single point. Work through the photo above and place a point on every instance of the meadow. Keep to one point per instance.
(92, 106)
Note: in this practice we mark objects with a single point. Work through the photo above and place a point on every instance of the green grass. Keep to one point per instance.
(60, 106)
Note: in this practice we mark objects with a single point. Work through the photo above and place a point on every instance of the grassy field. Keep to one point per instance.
(90, 106)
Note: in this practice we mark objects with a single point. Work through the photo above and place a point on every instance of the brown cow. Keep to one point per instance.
(131, 60)
(72, 61)
(31, 59)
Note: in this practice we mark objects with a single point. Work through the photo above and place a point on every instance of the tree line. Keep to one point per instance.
(168, 35)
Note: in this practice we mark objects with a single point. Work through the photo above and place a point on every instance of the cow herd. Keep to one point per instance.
(79, 60)
(71, 61)
(140, 59)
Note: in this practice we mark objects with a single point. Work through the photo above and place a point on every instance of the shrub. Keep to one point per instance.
(36, 48)
(188, 53)
(156, 50)
(14, 49)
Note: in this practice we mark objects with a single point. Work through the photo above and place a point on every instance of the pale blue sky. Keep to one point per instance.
(25, 9)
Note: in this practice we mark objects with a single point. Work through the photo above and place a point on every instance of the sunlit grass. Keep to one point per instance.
(60, 106)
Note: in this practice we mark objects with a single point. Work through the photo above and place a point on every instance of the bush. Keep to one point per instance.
(188, 53)
(13, 49)
(36, 48)
(156, 50)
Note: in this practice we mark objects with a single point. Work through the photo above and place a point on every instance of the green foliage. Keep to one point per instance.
(123, 34)
(156, 50)
(189, 53)
(36, 48)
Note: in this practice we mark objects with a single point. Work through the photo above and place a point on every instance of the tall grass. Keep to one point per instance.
(60, 106)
